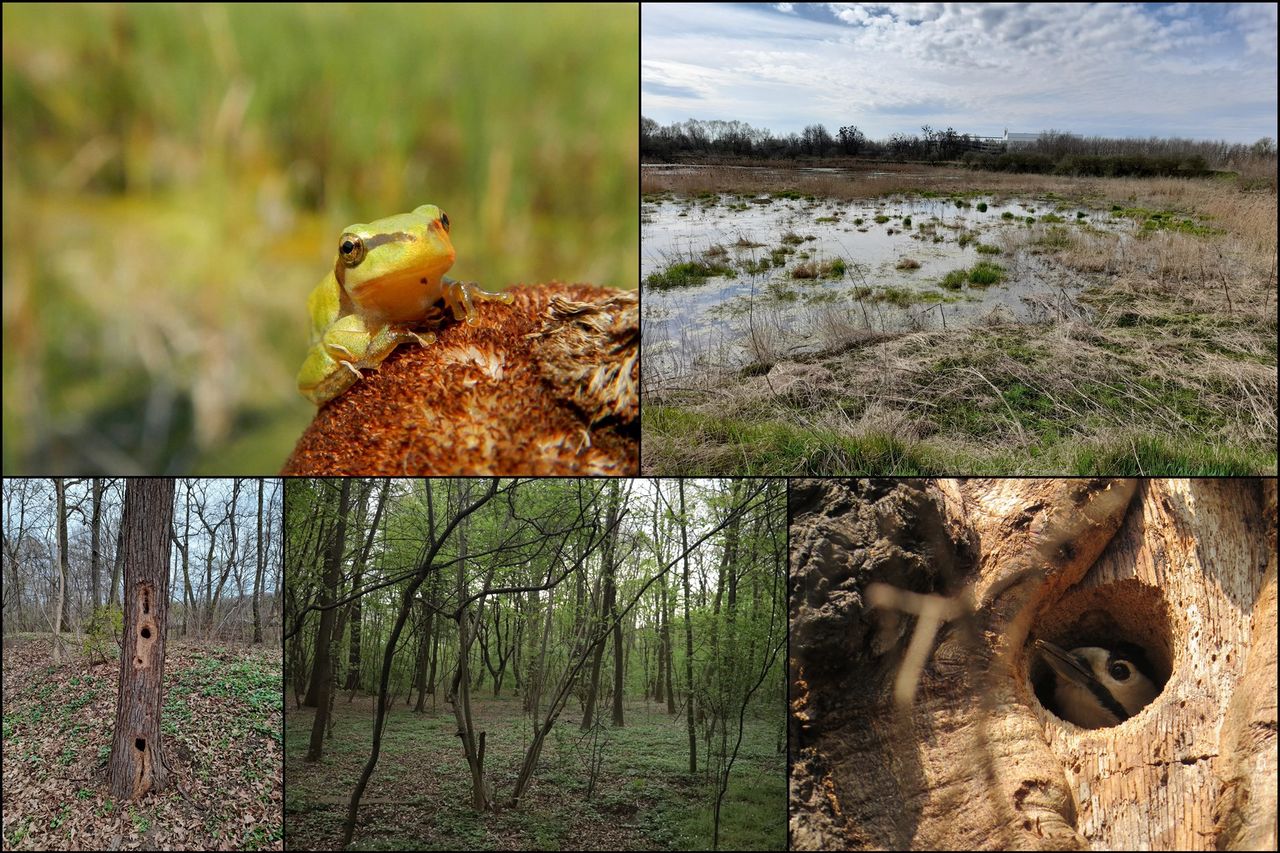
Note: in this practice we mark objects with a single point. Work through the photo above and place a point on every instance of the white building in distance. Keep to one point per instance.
(1013, 140)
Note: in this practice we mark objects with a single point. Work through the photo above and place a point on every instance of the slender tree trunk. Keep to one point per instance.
(322, 675)
(63, 565)
(688, 638)
(95, 542)
(606, 609)
(137, 754)
(117, 566)
(667, 605)
(257, 575)
(353, 655)
(611, 605)
(424, 652)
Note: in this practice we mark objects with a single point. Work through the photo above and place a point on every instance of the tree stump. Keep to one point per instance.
(914, 720)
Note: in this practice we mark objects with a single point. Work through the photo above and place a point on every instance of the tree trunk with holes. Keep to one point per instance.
(137, 755)
(914, 607)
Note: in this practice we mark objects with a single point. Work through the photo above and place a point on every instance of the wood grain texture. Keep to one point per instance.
(1186, 568)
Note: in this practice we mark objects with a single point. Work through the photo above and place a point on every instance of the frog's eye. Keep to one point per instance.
(351, 249)
(444, 220)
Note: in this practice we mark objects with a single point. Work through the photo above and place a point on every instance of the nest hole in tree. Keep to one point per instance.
(146, 633)
(1126, 611)
(140, 744)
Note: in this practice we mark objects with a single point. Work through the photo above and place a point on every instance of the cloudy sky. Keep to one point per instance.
(1192, 70)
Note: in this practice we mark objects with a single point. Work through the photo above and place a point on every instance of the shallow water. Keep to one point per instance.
(717, 320)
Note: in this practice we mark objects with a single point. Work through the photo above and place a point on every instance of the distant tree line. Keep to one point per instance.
(1054, 151)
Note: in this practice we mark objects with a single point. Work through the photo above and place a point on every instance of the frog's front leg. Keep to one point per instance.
(459, 296)
(333, 364)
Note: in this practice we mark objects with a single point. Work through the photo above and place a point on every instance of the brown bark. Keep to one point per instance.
(322, 675)
(916, 725)
(137, 754)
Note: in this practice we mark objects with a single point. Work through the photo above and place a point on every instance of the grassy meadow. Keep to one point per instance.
(640, 798)
(1167, 367)
(175, 179)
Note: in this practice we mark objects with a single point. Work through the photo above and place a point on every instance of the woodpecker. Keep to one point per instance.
(1095, 687)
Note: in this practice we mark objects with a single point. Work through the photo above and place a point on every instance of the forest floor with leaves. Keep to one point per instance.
(222, 739)
(419, 797)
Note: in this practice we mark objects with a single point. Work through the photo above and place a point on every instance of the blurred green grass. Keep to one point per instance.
(175, 179)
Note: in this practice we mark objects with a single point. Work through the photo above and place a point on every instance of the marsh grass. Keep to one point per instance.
(1170, 370)
(184, 174)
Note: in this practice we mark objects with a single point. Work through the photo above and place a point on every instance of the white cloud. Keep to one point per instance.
(1119, 69)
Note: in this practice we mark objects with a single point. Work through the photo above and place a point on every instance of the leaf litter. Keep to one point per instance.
(222, 732)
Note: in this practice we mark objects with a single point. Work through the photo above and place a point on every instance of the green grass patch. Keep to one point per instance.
(987, 249)
(773, 448)
(881, 219)
(688, 274)
(985, 273)
(982, 207)
(955, 279)
(1006, 215)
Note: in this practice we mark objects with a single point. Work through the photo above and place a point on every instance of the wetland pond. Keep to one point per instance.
(732, 279)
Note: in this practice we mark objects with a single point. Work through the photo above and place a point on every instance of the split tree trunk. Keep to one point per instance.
(137, 755)
(909, 739)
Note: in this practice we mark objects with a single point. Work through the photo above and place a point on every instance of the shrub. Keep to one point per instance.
(954, 280)
(881, 219)
(982, 207)
(1006, 215)
(102, 633)
(987, 249)
(908, 264)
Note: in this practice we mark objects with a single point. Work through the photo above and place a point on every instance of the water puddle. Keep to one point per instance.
(880, 264)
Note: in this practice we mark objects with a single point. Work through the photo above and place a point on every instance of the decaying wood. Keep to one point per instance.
(914, 723)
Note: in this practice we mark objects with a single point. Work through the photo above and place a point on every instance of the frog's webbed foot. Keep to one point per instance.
(460, 296)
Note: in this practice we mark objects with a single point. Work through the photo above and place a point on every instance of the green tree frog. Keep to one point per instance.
(388, 278)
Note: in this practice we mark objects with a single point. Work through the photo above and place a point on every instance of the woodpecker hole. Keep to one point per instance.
(146, 633)
(137, 663)
(1125, 611)
(140, 744)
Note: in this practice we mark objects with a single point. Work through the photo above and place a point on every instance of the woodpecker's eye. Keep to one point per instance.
(444, 220)
(1119, 671)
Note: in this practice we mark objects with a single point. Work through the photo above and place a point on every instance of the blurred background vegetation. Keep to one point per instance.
(176, 178)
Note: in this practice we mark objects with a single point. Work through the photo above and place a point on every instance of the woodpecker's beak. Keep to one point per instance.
(1065, 664)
